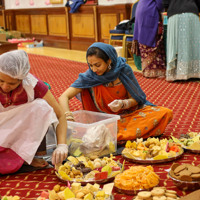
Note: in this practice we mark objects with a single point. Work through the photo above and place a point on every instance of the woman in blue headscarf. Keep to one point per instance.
(109, 86)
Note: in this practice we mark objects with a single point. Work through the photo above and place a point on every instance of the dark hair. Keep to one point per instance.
(95, 51)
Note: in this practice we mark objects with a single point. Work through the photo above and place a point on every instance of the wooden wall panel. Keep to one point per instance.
(121, 17)
(83, 25)
(109, 17)
(1, 21)
(22, 23)
(39, 24)
(8, 21)
(108, 22)
(57, 25)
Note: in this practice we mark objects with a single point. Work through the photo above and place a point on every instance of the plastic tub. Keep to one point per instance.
(89, 126)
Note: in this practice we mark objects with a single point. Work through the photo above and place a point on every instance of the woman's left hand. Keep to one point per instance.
(116, 105)
(59, 154)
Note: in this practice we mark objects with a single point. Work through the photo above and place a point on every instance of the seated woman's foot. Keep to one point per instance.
(38, 162)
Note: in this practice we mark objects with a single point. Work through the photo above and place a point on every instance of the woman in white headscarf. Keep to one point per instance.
(27, 109)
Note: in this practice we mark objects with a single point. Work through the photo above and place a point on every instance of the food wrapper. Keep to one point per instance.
(96, 140)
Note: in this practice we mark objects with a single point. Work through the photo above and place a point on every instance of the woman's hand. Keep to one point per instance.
(59, 154)
(116, 105)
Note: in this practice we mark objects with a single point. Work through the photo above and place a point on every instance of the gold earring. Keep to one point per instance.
(109, 67)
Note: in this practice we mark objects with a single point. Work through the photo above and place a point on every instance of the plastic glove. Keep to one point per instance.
(59, 154)
(116, 105)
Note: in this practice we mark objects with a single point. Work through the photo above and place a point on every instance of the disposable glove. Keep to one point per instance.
(117, 105)
(60, 153)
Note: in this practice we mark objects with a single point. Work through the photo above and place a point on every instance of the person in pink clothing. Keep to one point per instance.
(27, 109)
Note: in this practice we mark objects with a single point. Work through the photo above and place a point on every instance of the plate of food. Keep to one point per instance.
(157, 193)
(185, 176)
(136, 179)
(83, 170)
(152, 151)
(76, 191)
(189, 141)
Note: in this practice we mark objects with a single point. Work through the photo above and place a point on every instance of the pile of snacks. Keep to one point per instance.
(190, 140)
(152, 148)
(82, 169)
(157, 193)
(185, 172)
(76, 191)
(136, 178)
(10, 198)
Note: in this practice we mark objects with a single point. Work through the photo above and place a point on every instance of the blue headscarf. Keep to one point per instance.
(119, 70)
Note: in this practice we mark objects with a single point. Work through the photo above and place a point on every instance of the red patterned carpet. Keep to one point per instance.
(182, 97)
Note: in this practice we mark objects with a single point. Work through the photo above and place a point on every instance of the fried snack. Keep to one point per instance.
(74, 160)
(136, 178)
(185, 172)
(151, 149)
(157, 193)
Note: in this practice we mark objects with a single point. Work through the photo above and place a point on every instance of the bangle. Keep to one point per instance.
(69, 117)
(126, 104)
(68, 113)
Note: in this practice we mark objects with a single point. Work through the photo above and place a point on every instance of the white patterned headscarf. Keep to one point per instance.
(15, 64)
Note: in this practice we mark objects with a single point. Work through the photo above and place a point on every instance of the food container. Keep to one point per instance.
(185, 185)
(92, 133)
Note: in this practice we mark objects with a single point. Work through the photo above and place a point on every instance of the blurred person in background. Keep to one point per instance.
(183, 39)
(148, 38)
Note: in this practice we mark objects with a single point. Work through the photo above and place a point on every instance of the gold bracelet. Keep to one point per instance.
(68, 113)
(69, 117)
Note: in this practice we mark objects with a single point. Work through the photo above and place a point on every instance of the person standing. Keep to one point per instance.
(148, 38)
(183, 39)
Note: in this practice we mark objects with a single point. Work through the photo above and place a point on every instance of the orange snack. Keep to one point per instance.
(136, 178)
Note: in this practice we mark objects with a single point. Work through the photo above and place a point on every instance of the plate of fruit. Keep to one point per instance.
(152, 151)
(189, 141)
(83, 170)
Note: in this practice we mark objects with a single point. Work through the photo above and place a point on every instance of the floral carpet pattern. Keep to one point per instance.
(183, 97)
